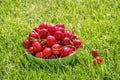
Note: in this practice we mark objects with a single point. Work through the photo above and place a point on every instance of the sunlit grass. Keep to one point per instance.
(95, 22)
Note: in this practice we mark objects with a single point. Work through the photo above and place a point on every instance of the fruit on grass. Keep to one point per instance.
(36, 46)
(59, 35)
(30, 50)
(56, 48)
(47, 52)
(52, 57)
(94, 52)
(97, 60)
(66, 41)
(50, 40)
(60, 29)
(43, 33)
(51, 28)
(77, 43)
(43, 25)
(39, 55)
(60, 25)
(36, 29)
(33, 35)
(26, 43)
(68, 34)
(65, 51)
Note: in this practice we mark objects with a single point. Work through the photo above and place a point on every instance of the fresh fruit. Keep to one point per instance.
(26, 43)
(60, 25)
(51, 28)
(66, 51)
(52, 57)
(94, 52)
(56, 48)
(43, 25)
(66, 41)
(50, 40)
(33, 35)
(77, 43)
(60, 29)
(43, 33)
(97, 60)
(47, 52)
(39, 55)
(36, 29)
(68, 34)
(30, 50)
(59, 35)
(36, 46)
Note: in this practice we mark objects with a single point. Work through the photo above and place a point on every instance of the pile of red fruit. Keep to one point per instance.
(97, 59)
(51, 41)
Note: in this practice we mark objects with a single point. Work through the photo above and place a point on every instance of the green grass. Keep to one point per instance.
(95, 22)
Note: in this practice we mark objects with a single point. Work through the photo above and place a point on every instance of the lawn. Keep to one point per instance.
(95, 22)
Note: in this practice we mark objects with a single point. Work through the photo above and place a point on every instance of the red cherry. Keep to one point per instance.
(59, 35)
(50, 40)
(68, 34)
(26, 43)
(43, 33)
(36, 29)
(52, 57)
(43, 25)
(36, 46)
(56, 48)
(30, 50)
(51, 28)
(77, 43)
(66, 51)
(39, 55)
(71, 50)
(97, 60)
(33, 35)
(60, 29)
(47, 52)
(94, 52)
(60, 25)
(66, 41)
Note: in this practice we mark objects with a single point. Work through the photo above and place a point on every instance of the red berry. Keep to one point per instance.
(26, 43)
(43, 25)
(52, 57)
(66, 41)
(59, 35)
(60, 29)
(50, 40)
(94, 52)
(72, 50)
(97, 60)
(39, 55)
(30, 50)
(43, 33)
(66, 51)
(36, 29)
(60, 25)
(56, 48)
(68, 34)
(33, 35)
(51, 28)
(77, 43)
(47, 52)
(36, 46)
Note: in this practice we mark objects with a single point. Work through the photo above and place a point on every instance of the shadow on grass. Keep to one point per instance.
(32, 65)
